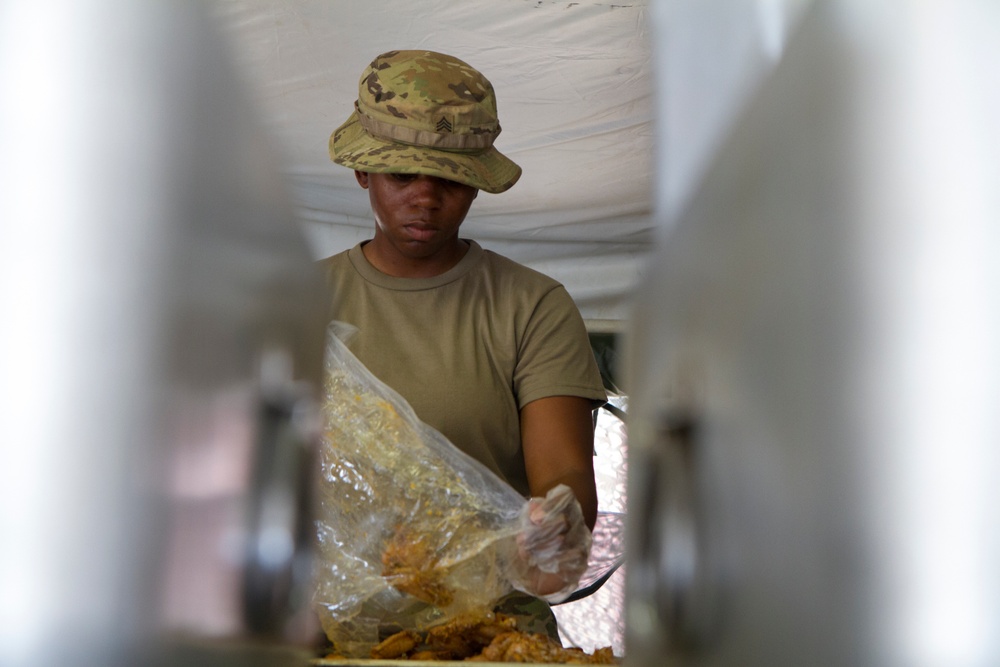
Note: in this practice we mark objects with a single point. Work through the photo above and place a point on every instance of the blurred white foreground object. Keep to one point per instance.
(161, 332)
(815, 367)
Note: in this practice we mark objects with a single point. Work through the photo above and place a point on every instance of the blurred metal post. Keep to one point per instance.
(161, 317)
(814, 362)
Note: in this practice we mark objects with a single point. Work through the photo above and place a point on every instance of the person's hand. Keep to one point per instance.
(553, 546)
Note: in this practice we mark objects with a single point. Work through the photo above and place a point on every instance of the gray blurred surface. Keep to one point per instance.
(158, 306)
(814, 365)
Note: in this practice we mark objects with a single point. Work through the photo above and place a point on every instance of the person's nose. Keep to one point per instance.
(428, 191)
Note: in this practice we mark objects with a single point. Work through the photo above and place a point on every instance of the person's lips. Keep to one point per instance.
(421, 232)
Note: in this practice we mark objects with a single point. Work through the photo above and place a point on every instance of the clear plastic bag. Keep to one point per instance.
(411, 530)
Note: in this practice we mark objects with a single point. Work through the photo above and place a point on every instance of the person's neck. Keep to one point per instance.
(399, 266)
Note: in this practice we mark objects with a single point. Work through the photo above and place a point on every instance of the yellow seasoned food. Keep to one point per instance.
(485, 638)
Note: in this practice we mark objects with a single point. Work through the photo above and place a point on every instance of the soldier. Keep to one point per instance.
(492, 354)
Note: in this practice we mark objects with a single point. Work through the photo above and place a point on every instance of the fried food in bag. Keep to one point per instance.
(494, 638)
(412, 532)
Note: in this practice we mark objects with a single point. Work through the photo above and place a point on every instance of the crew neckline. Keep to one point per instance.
(376, 277)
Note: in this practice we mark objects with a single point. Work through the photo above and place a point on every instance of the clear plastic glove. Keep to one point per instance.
(553, 546)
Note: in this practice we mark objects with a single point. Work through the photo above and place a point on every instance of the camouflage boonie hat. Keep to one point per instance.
(421, 112)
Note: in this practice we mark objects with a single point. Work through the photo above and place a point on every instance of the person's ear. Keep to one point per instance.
(362, 177)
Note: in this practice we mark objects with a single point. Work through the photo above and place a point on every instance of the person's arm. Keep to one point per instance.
(557, 436)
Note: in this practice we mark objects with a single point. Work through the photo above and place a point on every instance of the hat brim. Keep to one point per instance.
(488, 170)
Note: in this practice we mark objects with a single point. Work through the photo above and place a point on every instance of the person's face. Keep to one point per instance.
(417, 215)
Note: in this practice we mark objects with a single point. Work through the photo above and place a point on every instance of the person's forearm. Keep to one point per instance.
(582, 484)
(557, 436)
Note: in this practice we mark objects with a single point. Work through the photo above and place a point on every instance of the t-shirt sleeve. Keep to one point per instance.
(554, 354)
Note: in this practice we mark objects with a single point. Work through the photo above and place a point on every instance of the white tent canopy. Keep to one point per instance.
(579, 85)
(573, 82)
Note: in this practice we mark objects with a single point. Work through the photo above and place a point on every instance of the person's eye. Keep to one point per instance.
(403, 178)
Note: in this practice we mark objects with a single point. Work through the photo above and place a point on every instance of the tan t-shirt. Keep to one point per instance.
(469, 348)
